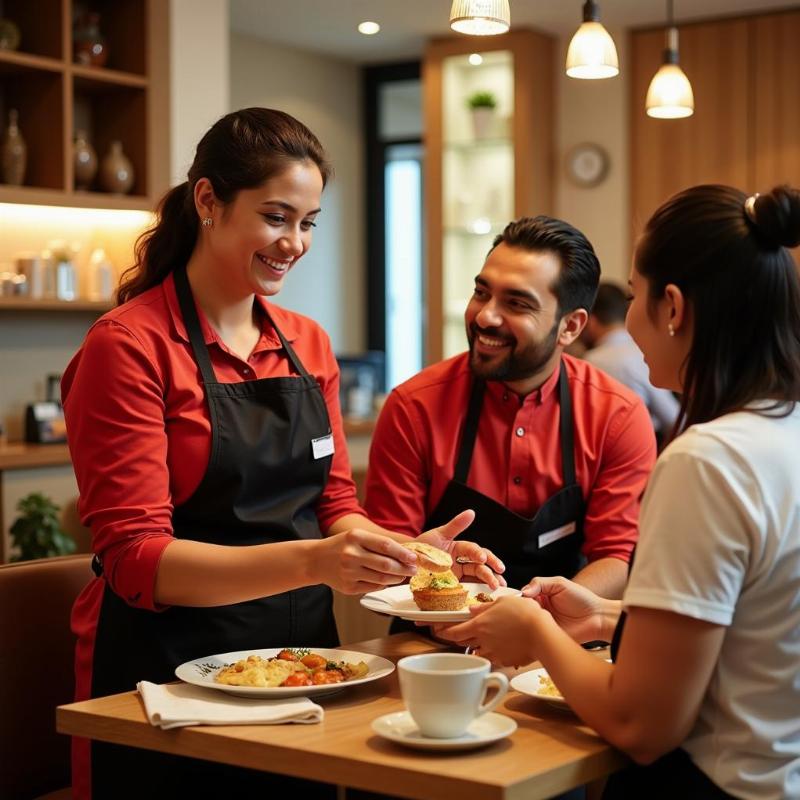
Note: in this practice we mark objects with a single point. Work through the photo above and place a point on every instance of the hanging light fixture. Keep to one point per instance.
(480, 17)
(670, 94)
(592, 54)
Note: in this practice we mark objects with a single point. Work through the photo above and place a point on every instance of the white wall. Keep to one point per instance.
(596, 111)
(199, 76)
(329, 284)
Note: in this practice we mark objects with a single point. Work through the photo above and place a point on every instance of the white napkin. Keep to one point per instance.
(175, 705)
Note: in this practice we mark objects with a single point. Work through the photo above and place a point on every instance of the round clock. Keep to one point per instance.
(587, 164)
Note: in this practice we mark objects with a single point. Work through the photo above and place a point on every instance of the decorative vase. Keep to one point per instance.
(9, 35)
(116, 172)
(85, 161)
(15, 152)
(482, 120)
(89, 44)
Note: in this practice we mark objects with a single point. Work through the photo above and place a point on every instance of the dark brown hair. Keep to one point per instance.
(240, 151)
(579, 275)
(742, 285)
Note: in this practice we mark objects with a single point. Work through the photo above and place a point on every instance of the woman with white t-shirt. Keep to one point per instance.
(704, 691)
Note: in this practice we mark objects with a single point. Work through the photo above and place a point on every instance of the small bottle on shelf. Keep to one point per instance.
(15, 152)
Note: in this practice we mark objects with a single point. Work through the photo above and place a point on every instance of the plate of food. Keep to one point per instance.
(284, 672)
(537, 683)
(434, 594)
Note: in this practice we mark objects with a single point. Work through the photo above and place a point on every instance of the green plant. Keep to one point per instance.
(37, 532)
(482, 100)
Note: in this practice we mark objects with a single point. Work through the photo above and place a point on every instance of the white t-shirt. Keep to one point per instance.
(720, 541)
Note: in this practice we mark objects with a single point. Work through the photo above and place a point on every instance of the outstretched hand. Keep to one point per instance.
(575, 608)
(487, 567)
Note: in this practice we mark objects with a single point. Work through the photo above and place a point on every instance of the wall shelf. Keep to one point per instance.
(27, 304)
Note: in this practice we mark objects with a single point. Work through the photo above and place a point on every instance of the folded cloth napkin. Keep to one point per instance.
(175, 705)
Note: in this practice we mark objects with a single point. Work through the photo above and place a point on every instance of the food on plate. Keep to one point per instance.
(547, 687)
(438, 591)
(291, 667)
(482, 597)
(429, 557)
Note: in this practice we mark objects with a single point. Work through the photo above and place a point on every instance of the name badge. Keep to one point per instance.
(323, 446)
(556, 534)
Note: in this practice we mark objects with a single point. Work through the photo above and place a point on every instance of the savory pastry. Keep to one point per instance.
(429, 557)
(438, 591)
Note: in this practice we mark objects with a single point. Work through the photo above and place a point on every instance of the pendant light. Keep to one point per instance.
(592, 54)
(480, 17)
(670, 94)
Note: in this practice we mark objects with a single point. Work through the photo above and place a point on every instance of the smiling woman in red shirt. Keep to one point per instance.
(206, 435)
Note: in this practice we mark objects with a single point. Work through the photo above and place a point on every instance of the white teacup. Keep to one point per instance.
(444, 692)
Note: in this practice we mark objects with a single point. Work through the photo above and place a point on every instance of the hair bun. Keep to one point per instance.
(776, 217)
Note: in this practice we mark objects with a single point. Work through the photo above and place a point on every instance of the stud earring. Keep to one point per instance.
(671, 329)
(207, 222)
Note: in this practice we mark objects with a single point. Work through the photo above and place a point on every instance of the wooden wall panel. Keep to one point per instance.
(712, 145)
(776, 100)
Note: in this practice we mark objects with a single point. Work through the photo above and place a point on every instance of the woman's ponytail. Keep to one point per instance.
(163, 247)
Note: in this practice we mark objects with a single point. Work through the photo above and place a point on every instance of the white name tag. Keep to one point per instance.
(323, 446)
(556, 534)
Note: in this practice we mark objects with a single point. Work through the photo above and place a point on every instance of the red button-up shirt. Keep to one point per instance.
(517, 455)
(139, 430)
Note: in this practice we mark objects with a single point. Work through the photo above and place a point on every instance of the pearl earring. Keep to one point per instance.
(207, 222)
(671, 329)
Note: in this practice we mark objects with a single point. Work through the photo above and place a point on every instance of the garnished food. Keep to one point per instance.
(290, 668)
(429, 557)
(438, 591)
(482, 597)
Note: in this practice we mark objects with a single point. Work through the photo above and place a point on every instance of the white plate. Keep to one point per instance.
(201, 672)
(528, 683)
(397, 601)
(399, 727)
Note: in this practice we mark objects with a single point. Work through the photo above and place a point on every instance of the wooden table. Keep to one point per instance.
(551, 751)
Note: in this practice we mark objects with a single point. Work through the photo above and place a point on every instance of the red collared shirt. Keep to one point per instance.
(139, 430)
(517, 456)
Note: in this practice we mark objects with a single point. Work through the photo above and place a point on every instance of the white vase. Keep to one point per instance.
(482, 122)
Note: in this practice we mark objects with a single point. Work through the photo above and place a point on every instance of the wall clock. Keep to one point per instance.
(587, 164)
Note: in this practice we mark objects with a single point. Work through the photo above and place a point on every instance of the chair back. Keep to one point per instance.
(37, 653)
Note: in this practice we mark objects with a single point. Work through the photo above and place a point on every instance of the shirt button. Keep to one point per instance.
(520, 431)
(505, 397)
(517, 480)
(246, 371)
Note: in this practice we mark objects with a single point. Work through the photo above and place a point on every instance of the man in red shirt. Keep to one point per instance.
(551, 453)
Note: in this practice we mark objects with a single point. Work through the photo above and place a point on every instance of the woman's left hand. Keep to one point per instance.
(503, 631)
(487, 567)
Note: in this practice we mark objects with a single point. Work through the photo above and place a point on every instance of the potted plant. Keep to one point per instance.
(37, 532)
(482, 105)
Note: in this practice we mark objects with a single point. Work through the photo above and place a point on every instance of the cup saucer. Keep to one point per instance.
(400, 727)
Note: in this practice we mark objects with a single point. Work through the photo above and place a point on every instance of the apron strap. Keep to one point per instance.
(566, 429)
(192, 323)
(470, 430)
(195, 331)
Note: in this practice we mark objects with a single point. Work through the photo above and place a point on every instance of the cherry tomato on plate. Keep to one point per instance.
(298, 679)
(325, 676)
(286, 655)
(314, 661)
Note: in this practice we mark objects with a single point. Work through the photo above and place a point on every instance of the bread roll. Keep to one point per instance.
(430, 557)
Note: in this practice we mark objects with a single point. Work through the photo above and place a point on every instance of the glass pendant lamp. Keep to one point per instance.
(592, 54)
(670, 94)
(480, 17)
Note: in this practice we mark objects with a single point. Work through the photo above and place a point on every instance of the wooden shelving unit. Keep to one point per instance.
(125, 100)
(26, 304)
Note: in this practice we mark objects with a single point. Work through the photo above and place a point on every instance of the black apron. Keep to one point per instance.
(260, 487)
(547, 544)
(673, 775)
(520, 543)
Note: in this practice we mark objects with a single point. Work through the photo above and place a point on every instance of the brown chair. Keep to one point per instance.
(36, 673)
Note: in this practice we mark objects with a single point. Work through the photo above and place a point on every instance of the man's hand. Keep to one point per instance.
(487, 567)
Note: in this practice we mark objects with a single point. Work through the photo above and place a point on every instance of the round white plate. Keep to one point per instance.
(399, 727)
(397, 601)
(201, 672)
(528, 683)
